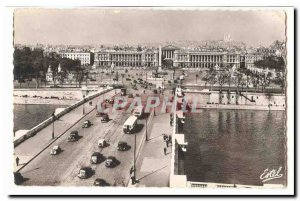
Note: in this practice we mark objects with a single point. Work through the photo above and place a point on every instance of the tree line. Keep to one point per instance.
(29, 64)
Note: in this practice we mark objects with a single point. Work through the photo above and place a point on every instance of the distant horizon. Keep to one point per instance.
(141, 43)
(133, 26)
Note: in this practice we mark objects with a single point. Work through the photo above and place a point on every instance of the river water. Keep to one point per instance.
(234, 146)
(28, 116)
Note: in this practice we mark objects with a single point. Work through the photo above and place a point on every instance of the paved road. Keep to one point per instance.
(62, 169)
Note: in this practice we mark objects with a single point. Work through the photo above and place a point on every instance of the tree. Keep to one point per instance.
(268, 78)
(238, 83)
(212, 80)
(228, 76)
(271, 62)
(205, 79)
(221, 80)
(122, 75)
(269, 97)
(280, 80)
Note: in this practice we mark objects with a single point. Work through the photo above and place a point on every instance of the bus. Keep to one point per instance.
(138, 111)
(130, 125)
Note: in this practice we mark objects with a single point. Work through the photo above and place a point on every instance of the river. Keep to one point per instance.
(234, 146)
(27, 116)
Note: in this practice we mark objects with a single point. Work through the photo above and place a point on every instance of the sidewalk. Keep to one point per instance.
(32, 146)
(153, 166)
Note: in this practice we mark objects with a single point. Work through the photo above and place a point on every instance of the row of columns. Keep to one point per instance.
(168, 54)
(126, 57)
(206, 58)
(197, 64)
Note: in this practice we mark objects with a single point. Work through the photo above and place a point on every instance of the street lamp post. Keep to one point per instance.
(134, 161)
(53, 119)
(147, 127)
(83, 111)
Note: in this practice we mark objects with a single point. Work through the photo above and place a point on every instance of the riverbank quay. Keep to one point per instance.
(200, 99)
(43, 101)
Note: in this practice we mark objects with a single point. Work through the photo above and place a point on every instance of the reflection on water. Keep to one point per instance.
(234, 146)
(28, 116)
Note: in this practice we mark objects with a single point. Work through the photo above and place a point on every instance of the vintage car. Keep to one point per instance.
(18, 178)
(96, 158)
(122, 146)
(112, 101)
(105, 118)
(110, 161)
(100, 114)
(100, 182)
(130, 96)
(86, 124)
(73, 136)
(85, 172)
(102, 143)
(55, 150)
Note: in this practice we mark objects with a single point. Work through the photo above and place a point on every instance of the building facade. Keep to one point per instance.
(251, 58)
(146, 58)
(205, 59)
(86, 58)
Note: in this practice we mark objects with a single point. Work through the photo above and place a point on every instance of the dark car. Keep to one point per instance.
(73, 136)
(110, 161)
(86, 124)
(100, 114)
(105, 118)
(100, 182)
(122, 146)
(85, 172)
(96, 158)
(18, 178)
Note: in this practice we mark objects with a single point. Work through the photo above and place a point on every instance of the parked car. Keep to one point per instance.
(86, 124)
(110, 161)
(122, 146)
(73, 136)
(85, 172)
(130, 96)
(102, 143)
(100, 182)
(18, 178)
(96, 158)
(55, 150)
(105, 118)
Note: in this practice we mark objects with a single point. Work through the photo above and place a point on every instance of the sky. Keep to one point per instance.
(96, 26)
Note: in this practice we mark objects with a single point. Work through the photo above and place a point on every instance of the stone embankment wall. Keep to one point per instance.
(250, 100)
(48, 96)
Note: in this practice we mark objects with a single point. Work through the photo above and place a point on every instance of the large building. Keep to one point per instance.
(198, 58)
(86, 58)
(167, 56)
(145, 58)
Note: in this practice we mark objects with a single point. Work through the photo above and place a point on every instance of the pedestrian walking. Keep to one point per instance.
(17, 161)
(167, 143)
(165, 151)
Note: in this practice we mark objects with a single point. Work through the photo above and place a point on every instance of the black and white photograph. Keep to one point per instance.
(133, 98)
